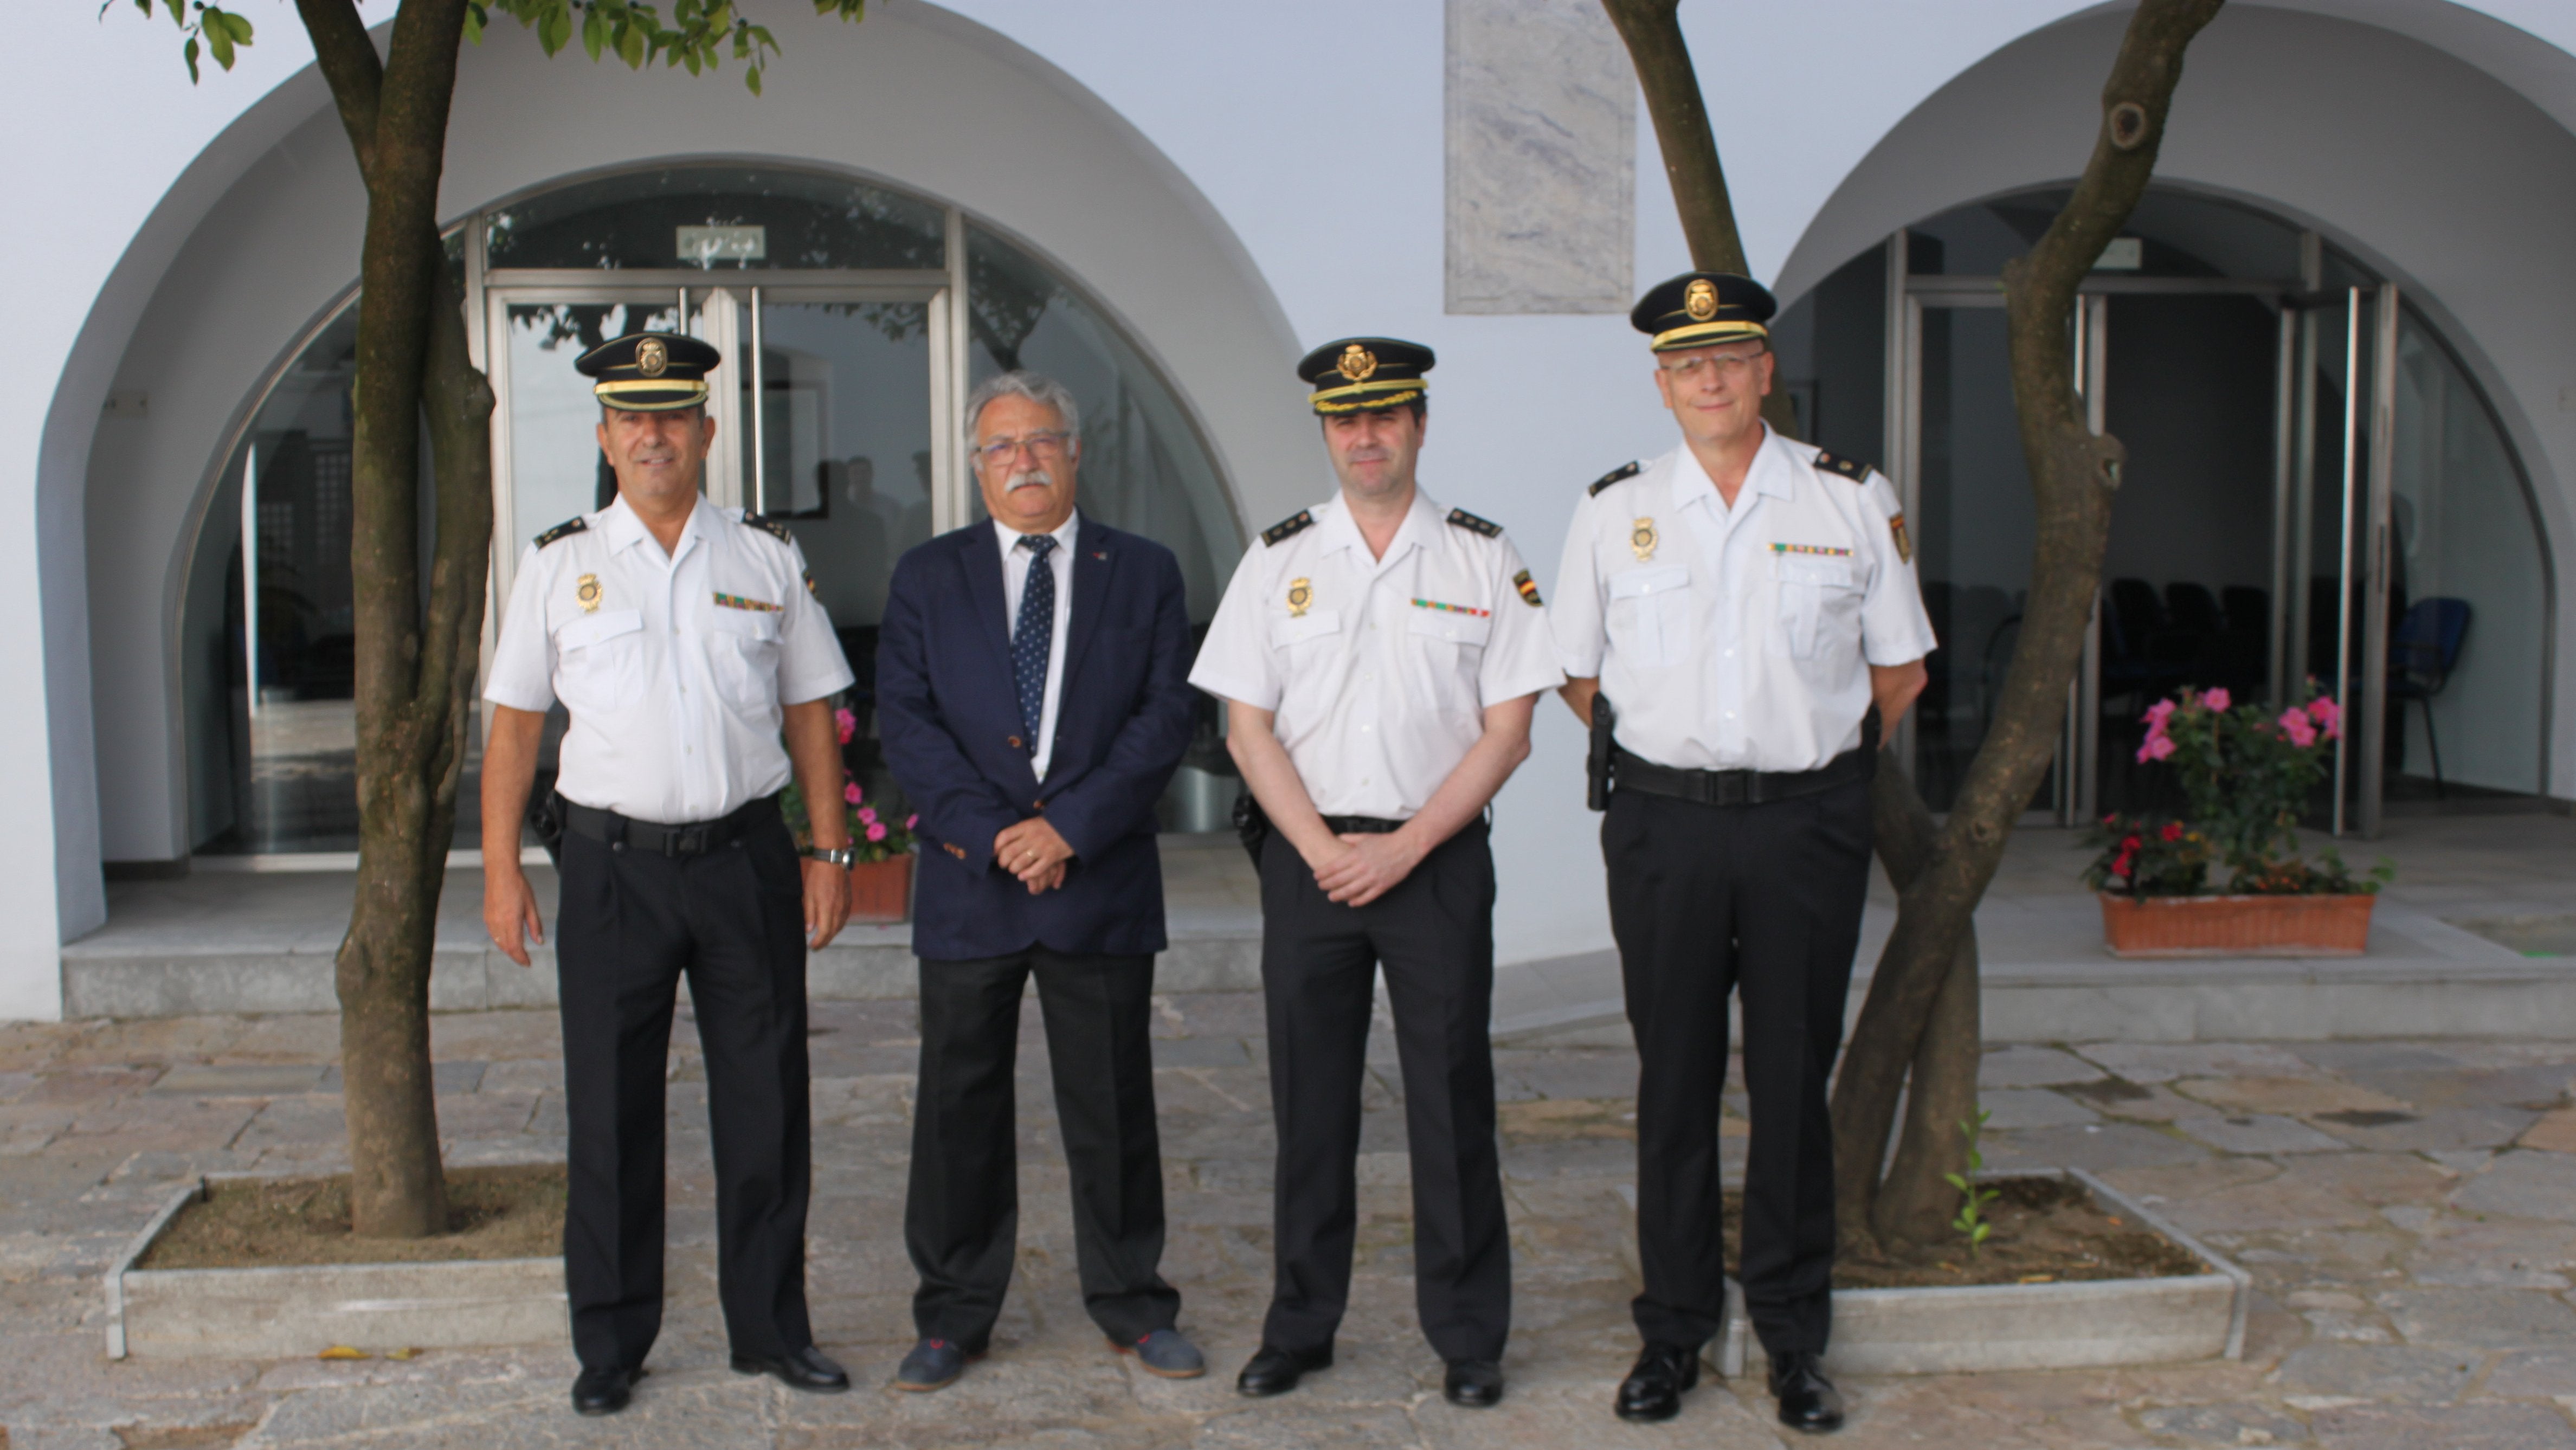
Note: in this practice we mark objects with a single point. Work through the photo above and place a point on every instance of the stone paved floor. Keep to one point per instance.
(2407, 1210)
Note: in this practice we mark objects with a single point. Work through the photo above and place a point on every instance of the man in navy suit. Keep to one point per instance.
(1032, 702)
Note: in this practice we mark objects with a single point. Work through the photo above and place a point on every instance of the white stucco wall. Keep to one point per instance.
(1234, 182)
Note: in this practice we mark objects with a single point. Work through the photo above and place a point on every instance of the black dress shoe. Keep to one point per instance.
(1276, 1371)
(1475, 1383)
(1808, 1400)
(1654, 1386)
(604, 1391)
(804, 1369)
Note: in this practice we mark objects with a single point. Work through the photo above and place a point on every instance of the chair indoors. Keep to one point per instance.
(2423, 650)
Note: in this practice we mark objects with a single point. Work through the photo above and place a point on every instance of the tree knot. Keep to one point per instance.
(2128, 125)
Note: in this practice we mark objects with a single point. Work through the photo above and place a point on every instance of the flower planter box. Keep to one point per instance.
(297, 1311)
(881, 891)
(2071, 1325)
(2236, 926)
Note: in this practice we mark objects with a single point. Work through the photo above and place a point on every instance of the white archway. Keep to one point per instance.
(2464, 193)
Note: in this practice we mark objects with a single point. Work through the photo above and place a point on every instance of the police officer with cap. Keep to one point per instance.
(684, 640)
(1380, 658)
(1745, 602)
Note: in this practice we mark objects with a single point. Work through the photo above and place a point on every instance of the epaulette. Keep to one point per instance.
(1473, 524)
(767, 525)
(1288, 528)
(1624, 470)
(1853, 469)
(564, 530)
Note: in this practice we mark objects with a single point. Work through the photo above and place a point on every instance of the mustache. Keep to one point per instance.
(1028, 478)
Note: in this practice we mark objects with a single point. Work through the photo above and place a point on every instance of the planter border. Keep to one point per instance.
(2332, 908)
(134, 1249)
(1736, 1340)
(118, 1343)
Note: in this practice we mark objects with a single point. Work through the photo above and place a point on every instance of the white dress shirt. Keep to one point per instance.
(1738, 638)
(1378, 671)
(673, 666)
(1015, 585)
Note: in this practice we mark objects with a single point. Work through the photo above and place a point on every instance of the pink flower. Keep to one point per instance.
(2157, 748)
(868, 814)
(910, 821)
(2157, 714)
(2217, 699)
(876, 830)
(847, 722)
(2322, 709)
(850, 792)
(2294, 724)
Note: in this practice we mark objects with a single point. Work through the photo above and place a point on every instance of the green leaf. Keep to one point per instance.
(554, 31)
(630, 44)
(190, 51)
(751, 78)
(594, 32)
(475, 20)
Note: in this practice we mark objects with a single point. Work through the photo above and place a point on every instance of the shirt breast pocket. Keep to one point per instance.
(742, 653)
(1304, 629)
(599, 661)
(1452, 649)
(1817, 613)
(1649, 621)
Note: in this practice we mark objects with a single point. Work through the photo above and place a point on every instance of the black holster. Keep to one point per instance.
(546, 822)
(1251, 825)
(1596, 763)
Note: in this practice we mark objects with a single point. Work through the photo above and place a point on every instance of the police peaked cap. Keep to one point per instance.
(1357, 374)
(1702, 309)
(650, 372)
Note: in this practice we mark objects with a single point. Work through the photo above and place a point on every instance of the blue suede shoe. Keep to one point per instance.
(1167, 1353)
(934, 1364)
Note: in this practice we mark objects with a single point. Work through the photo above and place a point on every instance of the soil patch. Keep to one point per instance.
(2047, 1230)
(514, 1212)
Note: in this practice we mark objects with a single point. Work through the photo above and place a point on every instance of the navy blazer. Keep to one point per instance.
(949, 717)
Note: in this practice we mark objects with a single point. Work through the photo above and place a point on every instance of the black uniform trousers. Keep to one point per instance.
(1763, 900)
(1434, 935)
(961, 1216)
(631, 923)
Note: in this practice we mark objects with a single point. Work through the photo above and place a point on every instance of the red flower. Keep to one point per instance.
(2172, 831)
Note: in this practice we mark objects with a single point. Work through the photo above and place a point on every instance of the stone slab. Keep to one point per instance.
(2033, 1326)
(297, 1312)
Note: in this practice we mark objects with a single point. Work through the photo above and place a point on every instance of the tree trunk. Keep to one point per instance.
(2073, 473)
(415, 670)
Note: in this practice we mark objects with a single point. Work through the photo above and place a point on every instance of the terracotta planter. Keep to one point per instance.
(2236, 926)
(881, 891)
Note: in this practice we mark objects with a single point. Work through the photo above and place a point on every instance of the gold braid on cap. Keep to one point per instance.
(1708, 334)
(1362, 397)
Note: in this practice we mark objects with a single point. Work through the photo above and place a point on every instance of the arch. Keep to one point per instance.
(2463, 195)
(915, 97)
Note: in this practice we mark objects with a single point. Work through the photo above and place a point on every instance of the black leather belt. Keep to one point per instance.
(1361, 826)
(689, 838)
(1735, 787)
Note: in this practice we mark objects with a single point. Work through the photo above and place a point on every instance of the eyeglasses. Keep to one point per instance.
(1729, 366)
(1040, 445)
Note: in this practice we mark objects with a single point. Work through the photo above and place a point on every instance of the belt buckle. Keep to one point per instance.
(1734, 788)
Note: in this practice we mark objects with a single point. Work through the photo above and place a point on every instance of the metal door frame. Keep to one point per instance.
(725, 300)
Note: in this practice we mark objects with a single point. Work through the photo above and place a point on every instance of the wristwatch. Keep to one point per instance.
(844, 857)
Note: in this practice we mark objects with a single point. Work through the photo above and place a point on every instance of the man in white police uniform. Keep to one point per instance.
(1380, 660)
(1744, 601)
(681, 637)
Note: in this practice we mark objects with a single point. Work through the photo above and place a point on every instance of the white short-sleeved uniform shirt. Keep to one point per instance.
(1739, 638)
(1378, 671)
(673, 666)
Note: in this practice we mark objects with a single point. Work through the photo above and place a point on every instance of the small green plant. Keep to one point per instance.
(1973, 1197)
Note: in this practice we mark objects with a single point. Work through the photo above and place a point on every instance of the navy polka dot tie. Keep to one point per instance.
(1034, 635)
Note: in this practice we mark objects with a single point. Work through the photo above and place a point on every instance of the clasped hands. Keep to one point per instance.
(1032, 851)
(1368, 867)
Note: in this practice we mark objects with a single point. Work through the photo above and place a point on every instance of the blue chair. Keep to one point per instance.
(2422, 652)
